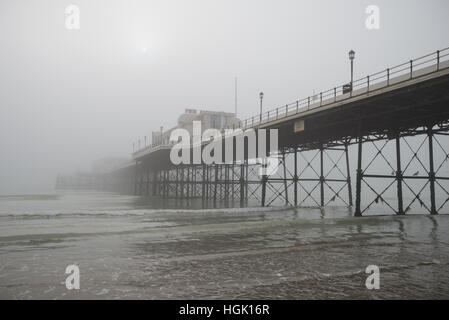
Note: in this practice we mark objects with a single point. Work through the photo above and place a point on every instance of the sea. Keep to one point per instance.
(127, 247)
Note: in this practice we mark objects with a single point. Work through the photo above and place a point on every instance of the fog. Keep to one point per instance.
(70, 97)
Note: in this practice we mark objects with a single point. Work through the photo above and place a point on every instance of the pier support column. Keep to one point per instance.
(193, 182)
(154, 189)
(433, 209)
(348, 176)
(264, 181)
(188, 183)
(207, 177)
(321, 177)
(242, 185)
(295, 178)
(177, 183)
(227, 182)
(285, 179)
(147, 193)
(399, 176)
(166, 182)
(203, 183)
(181, 182)
(264, 189)
(246, 182)
(135, 179)
(142, 181)
(215, 183)
(141, 175)
(161, 181)
(358, 212)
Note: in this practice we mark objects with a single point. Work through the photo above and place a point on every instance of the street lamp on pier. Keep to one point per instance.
(351, 58)
(261, 98)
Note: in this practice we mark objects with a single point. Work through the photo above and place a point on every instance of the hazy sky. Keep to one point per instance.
(68, 97)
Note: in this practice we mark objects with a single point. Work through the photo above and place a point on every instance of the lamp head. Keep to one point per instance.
(351, 55)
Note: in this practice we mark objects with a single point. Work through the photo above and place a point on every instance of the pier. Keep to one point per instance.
(382, 109)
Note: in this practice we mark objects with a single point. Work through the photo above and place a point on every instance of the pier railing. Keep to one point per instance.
(385, 78)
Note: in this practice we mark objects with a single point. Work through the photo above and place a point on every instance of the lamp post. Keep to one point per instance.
(351, 58)
(261, 98)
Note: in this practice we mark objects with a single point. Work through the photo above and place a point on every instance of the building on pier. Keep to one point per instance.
(209, 120)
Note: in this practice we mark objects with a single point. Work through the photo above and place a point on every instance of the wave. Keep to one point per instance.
(27, 197)
(136, 212)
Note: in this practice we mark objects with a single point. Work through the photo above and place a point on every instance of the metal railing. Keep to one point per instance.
(153, 146)
(370, 83)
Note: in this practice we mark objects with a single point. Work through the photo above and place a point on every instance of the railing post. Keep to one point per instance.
(411, 69)
(367, 81)
(308, 103)
(438, 60)
(297, 106)
(321, 99)
(286, 110)
(335, 94)
(388, 77)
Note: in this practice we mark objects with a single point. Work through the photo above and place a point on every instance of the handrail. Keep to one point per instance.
(369, 81)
